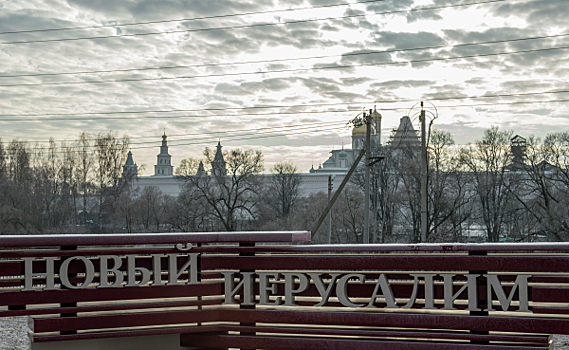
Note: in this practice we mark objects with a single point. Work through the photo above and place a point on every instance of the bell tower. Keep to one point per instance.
(163, 165)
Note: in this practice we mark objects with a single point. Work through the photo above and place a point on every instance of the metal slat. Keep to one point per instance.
(323, 343)
(407, 262)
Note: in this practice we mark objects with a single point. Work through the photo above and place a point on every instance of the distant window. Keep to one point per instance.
(160, 161)
(162, 171)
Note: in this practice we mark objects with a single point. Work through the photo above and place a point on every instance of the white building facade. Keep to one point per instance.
(316, 180)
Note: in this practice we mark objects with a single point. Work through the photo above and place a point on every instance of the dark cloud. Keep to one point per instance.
(445, 91)
(386, 6)
(321, 85)
(475, 81)
(417, 16)
(397, 84)
(537, 12)
(403, 40)
(365, 57)
(149, 9)
(267, 85)
(354, 81)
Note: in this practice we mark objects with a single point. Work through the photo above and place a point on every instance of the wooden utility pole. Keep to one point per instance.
(330, 187)
(424, 212)
(337, 194)
(367, 120)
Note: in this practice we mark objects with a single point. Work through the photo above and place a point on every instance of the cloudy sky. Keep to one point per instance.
(282, 76)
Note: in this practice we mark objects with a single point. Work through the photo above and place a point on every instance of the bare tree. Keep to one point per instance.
(283, 189)
(448, 190)
(85, 169)
(150, 208)
(231, 190)
(110, 155)
(488, 161)
(348, 216)
(3, 161)
(544, 189)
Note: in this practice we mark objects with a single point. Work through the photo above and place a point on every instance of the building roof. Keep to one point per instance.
(129, 160)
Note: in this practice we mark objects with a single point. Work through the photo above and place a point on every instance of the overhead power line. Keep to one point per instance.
(345, 66)
(19, 117)
(288, 59)
(188, 19)
(215, 134)
(187, 116)
(369, 104)
(253, 136)
(256, 25)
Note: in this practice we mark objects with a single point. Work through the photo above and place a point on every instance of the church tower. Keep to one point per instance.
(129, 169)
(163, 165)
(218, 165)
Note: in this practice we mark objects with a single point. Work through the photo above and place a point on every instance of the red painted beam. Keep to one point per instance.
(109, 294)
(323, 343)
(386, 262)
(151, 238)
(530, 325)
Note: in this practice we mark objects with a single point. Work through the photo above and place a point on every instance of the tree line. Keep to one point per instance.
(61, 188)
(492, 190)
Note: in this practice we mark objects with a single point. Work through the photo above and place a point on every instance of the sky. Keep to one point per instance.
(281, 76)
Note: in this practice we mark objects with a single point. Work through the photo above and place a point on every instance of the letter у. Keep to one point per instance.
(521, 284)
(322, 290)
(245, 285)
(29, 274)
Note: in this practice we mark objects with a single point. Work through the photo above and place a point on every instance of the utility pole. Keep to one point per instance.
(337, 194)
(367, 120)
(424, 211)
(330, 187)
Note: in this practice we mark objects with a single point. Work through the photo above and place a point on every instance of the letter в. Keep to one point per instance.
(104, 268)
(89, 272)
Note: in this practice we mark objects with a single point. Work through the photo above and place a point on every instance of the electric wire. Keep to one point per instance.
(257, 25)
(347, 66)
(214, 134)
(350, 54)
(204, 141)
(18, 117)
(188, 19)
